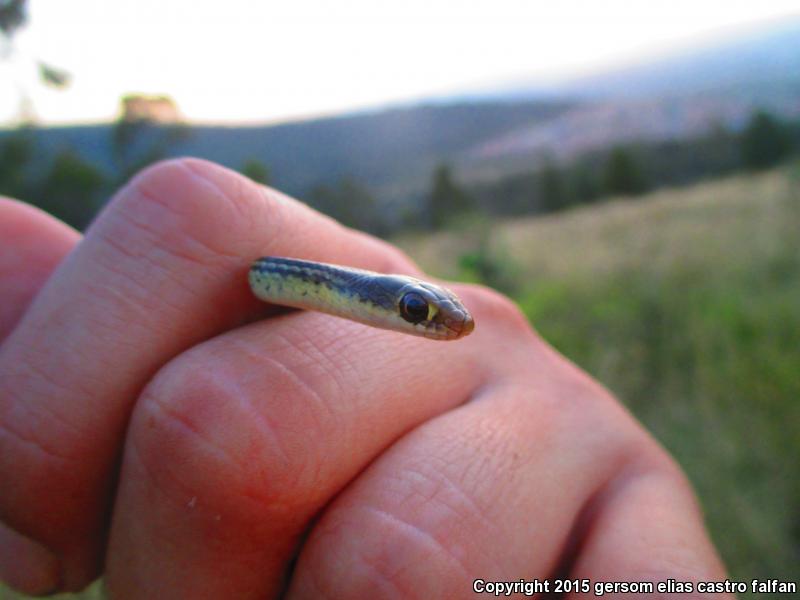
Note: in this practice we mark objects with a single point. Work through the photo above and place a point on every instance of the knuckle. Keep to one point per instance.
(199, 433)
(649, 459)
(386, 557)
(396, 549)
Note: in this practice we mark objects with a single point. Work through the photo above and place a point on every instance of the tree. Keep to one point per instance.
(446, 200)
(140, 138)
(350, 203)
(551, 188)
(486, 261)
(584, 186)
(765, 142)
(16, 154)
(257, 171)
(623, 174)
(71, 190)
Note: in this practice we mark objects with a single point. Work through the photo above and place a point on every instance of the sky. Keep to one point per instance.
(242, 61)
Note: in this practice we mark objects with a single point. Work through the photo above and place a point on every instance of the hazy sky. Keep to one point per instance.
(240, 60)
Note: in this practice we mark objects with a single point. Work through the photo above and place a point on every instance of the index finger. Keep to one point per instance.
(163, 268)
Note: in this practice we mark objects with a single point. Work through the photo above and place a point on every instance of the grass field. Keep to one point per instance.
(686, 303)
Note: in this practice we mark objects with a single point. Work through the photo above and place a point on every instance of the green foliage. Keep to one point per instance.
(765, 142)
(350, 203)
(710, 367)
(137, 143)
(583, 183)
(71, 190)
(68, 187)
(599, 174)
(447, 200)
(16, 153)
(552, 188)
(623, 175)
(257, 171)
(484, 263)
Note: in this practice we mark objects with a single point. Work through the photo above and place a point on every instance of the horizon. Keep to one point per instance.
(84, 103)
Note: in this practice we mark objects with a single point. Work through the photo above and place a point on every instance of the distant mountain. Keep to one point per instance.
(675, 97)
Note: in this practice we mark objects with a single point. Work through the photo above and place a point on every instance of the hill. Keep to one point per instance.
(391, 150)
(685, 303)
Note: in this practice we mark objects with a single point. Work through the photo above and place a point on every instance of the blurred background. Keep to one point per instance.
(628, 172)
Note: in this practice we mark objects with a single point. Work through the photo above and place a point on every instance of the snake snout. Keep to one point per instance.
(460, 324)
(468, 325)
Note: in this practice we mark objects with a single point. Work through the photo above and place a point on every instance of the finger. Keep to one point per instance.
(647, 527)
(33, 245)
(492, 490)
(237, 444)
(164, 267)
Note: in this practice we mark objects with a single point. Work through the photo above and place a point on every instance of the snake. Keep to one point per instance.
(395, 302)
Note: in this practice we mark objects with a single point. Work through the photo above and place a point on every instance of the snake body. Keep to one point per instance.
(395, 302)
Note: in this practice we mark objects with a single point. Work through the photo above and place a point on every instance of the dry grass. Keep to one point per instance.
(654, 231)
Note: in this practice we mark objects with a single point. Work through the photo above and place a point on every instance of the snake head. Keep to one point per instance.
(434, 312)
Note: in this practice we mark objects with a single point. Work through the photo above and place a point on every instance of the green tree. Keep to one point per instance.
(584, 186)
(71, 190)
(765, 142)
(447, 200)
(350, 203)
(623, 175)
(16, 154)
(138, 140)
(551, 188)
(487, 263)
(257, 171)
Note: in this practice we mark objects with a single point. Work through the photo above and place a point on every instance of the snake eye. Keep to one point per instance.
(413, 308)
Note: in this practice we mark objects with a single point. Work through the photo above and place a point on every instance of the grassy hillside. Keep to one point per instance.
(686, 303)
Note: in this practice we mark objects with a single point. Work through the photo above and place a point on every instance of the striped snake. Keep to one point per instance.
(395, 302)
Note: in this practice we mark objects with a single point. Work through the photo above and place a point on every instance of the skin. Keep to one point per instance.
(160, 425)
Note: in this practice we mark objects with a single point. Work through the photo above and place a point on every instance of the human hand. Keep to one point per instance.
(155, 427)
